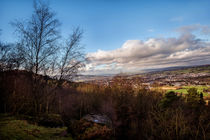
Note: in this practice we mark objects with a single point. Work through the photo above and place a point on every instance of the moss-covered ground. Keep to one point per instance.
(12, 128)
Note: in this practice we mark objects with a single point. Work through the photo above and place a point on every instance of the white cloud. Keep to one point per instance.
(150, 30)
(203, 29)
(136, 55)
(177, 19)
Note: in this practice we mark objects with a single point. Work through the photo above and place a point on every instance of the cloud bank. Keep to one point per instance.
(137, 55)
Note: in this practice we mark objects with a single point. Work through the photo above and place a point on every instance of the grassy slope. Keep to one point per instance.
(13, 129)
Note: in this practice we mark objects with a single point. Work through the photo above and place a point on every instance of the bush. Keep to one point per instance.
(85, 130)
(51, 120)
(194, 99)
(168, 99)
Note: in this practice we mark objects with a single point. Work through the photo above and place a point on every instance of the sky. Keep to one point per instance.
(127, 35)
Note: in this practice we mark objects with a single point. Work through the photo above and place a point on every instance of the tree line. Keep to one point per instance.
(134, 113)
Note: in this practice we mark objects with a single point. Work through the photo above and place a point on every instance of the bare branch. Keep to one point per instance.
(39, 34)
(72, 56)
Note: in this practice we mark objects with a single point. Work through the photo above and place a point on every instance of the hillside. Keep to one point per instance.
(38, 107)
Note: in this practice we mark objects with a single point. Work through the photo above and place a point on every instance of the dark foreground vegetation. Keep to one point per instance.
(134, 113)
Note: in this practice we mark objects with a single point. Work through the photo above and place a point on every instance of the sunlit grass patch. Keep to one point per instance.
(13, 129)
(184, 89)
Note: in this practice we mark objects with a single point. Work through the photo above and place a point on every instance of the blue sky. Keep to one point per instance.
(109, 24)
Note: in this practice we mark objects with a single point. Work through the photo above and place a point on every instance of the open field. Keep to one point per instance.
(13, 129)
(184, 89)
(198, 69)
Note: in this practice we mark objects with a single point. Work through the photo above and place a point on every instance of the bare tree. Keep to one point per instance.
(15, 56)
(72, 56)
(38, 44)
(10, 56)
(38, 47)
(4, 51)
(38, 37)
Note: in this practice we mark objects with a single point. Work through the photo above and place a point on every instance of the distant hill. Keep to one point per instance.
(187, 69)
(178, 69)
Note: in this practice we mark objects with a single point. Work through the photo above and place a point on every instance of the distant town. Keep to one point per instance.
(166, 79)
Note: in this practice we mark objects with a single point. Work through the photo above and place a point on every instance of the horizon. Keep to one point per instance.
(127, 36)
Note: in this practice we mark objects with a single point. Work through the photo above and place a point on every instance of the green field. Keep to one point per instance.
(14, 129)
(198, 69)
(184, 89)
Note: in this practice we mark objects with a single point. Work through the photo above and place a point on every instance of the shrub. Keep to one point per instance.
(51, 120)
(194, 99)
(85, 130)
(168, 99)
